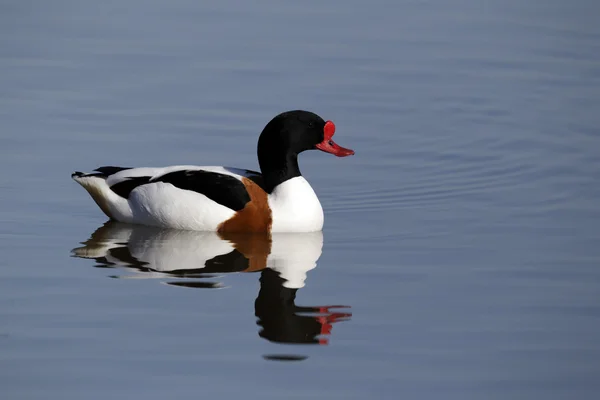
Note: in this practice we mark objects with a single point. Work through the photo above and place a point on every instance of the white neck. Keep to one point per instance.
(295, 207)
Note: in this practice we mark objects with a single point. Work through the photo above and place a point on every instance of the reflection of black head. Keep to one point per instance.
(277, 313)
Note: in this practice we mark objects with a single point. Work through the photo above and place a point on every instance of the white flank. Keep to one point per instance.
(162, 204)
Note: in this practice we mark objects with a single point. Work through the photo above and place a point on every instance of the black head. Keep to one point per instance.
(286, 136)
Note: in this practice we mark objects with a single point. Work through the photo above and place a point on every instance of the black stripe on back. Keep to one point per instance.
(254, 176)
(79, 174)
(125, 187)
(220, 188)
(110, 170)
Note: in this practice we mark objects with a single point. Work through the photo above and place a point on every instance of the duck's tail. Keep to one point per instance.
(95, 184)
(114, 206)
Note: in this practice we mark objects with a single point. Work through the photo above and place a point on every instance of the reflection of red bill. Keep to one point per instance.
(326, 322)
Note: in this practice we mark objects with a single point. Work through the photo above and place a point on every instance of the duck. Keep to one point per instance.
(224, 199)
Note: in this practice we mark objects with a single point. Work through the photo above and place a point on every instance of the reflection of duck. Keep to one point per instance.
(220, 198)
(174, 252)
(283, 259)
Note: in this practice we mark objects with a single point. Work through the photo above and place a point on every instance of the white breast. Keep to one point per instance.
(295, 207)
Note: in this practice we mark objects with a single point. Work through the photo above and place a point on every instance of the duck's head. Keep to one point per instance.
(293, 132)
(289, 134)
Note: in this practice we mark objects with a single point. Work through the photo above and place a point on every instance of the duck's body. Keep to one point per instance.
(224, 199)
(203, 199)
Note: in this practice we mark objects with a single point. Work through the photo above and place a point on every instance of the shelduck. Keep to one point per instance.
(224, 199)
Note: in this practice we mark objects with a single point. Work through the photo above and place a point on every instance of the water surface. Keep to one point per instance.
(462, 239)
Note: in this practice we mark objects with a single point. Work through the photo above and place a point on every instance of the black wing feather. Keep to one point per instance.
(125, 187)
(110, 170)
(220, 188)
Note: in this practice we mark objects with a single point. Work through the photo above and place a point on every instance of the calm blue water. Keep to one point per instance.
(462, 239)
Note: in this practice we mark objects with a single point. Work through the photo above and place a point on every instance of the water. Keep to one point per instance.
(461, 240)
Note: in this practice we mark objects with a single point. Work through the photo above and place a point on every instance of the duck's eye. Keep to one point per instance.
(311, 124)
(330, 142)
